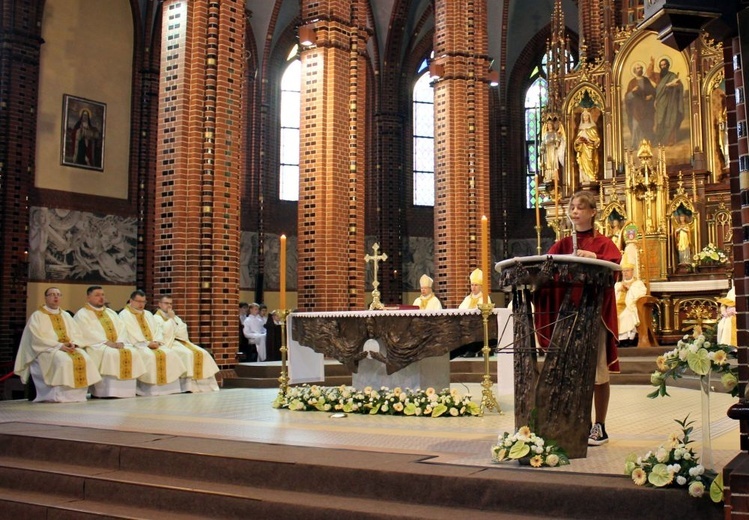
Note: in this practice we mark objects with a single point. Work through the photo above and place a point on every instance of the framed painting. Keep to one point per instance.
(83, 125)
(654, 82)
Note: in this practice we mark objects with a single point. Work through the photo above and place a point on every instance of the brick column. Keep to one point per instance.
(20, 43)
(332, 152)
(200, 160)
(461, 103)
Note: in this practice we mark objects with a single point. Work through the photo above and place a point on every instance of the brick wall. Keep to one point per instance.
(19, 84)
(200, 160)
(332, 160)
(461, 99)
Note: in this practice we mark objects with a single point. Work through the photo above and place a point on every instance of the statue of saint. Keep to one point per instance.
(683, 236)
(553, 150)
(586, 144)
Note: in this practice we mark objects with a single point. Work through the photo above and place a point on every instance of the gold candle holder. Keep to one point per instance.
(283, 379)
(488, 401)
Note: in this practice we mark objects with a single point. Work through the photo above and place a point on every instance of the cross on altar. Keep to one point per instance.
(376, 304)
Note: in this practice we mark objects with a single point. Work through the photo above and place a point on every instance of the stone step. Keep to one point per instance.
(135, 475)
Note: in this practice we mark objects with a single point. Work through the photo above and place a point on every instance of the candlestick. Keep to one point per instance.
(283, 273)
(485, 258)
(538, 209)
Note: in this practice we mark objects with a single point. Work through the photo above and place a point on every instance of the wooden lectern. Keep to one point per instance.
(555, 400)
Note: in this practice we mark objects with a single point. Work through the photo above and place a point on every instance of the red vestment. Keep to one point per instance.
(549, 298)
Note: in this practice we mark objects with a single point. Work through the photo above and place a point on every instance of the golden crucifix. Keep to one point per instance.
(376, 303)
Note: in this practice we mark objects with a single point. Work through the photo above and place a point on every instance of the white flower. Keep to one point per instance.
(696, 471)
(696, 489)
(681, 480)
(661, 455)
(552, 460)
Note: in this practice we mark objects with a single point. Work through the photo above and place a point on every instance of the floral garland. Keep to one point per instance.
(524, 444)
(397, 401)
(675, 464)
(699, 355)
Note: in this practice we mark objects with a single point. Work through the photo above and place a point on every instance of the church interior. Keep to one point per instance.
(326, 155)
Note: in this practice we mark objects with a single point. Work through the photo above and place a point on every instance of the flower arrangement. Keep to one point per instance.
(701, 357)
(524, 444)
(675, 464)
(397, 401)
(710, 255)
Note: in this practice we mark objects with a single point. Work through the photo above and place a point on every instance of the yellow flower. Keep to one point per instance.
(537, 461)
(639, 476)
(524, 433)
(720, 357)
(661, 363)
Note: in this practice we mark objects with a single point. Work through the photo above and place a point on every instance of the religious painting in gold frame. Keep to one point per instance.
(83, 125)
(654, 105)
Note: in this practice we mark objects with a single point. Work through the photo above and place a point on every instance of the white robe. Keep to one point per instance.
(726, 329)
(471, 301)
(628, 318)
(40, 343)
(175, 336)
(174, 366)
(94, 339)
(255, 332)
(432, 303)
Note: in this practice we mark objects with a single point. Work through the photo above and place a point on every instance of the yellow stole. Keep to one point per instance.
(197, 355)
(126, 356)
(423, 301)
(79, 362)
(621, 300)
(474, 304)
(158, 353)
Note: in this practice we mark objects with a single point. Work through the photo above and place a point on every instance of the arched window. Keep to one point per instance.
(423, 139)
(290, 104)
(536, 98)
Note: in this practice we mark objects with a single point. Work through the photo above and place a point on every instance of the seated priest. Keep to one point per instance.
(475, 297)
(103, 333)
(427, 300)
(201, 368)
(51, 353)
(163, 365)
(726, 333)
(628, 290)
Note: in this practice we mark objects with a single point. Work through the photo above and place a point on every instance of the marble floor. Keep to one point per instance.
(635, 424)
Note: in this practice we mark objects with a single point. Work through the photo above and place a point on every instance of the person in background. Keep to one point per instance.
(475, 297)
(255, 332)
(628, 290)
(427, 300)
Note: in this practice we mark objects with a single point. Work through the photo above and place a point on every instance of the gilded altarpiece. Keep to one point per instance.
(645, 129)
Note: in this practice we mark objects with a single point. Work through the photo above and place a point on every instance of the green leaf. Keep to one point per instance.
(716, 489)
(410, 409)
(659, 476)
(519, 450)
(439, 410)
(699, 362)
